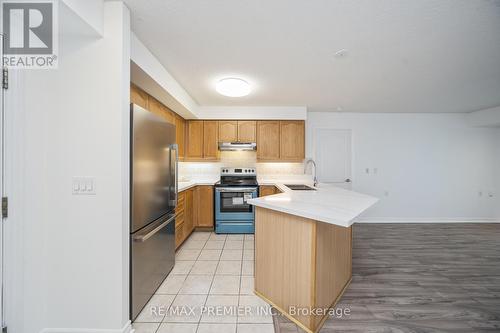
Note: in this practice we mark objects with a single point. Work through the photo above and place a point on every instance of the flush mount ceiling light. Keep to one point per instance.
(233, 87)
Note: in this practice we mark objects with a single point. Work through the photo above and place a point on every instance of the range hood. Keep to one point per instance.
(237, 146)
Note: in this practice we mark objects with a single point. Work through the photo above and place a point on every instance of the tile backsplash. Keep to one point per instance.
(238, 159)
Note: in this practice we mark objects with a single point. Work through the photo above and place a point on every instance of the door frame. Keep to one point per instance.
(2, 182)
(12, 148)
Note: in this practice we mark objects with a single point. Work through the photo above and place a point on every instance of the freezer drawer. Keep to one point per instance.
(152, 258)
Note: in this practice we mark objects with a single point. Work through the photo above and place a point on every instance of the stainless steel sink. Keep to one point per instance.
(300, 187)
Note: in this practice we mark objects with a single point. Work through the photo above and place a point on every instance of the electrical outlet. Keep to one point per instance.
(83, 185)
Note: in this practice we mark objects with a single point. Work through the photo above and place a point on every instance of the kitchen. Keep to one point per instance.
(226, 207)
(253, 167)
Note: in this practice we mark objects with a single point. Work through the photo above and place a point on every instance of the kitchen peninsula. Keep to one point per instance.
(303, 249)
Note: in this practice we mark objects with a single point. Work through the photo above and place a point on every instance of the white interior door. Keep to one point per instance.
(332, 152)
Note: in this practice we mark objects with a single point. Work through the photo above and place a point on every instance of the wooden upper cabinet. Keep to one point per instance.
(268, 140)
(210, 139)
(247, 130)
(237, 131)
(194, 136)
(159, 109)
(155, 106)
(292, 145)
(138, 96)
(202, 140)
(228, 131)
(169, 115)
(180, 133)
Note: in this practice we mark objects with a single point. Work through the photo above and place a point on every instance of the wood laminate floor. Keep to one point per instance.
(421, 278)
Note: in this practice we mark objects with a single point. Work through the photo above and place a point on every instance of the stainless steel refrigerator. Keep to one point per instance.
(153, 191)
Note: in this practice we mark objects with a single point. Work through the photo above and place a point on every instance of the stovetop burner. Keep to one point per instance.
(237, 177)
(241, 182)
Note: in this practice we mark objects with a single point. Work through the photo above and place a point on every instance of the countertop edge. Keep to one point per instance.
(258, 202)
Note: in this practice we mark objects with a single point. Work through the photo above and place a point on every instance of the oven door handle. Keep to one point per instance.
(236, 189)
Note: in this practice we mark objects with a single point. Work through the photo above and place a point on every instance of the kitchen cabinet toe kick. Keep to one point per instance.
(302, 266)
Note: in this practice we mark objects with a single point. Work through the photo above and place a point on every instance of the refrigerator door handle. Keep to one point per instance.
(144, 237)
(175, 148)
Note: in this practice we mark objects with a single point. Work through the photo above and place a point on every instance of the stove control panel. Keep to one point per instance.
(238, 172)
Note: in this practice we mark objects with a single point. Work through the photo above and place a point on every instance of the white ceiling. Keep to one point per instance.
(403, 55)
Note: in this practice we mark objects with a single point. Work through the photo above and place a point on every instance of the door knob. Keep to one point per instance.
(347, 180)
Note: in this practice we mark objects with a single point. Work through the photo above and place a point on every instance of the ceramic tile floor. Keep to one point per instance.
(210, 289)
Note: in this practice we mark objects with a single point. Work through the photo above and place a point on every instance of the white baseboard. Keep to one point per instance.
(125, 329)
(425, 220)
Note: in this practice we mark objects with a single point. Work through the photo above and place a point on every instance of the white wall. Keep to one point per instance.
(432, 166)
(68, 255)
(498, 176)
(90, 11)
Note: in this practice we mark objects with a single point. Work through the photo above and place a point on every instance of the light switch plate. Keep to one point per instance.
(83, 186)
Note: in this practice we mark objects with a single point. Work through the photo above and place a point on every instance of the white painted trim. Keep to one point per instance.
(484, 118)
(149, 74)
(125, 329)
(253, 112)
(425, 220)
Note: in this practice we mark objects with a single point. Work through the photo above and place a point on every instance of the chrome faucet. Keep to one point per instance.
(306, 163)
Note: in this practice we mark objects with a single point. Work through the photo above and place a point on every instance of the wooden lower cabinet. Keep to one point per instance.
(205, 206)
(265, 190)
(194, 209)
(301, 263)
(189, 211)
(183, 217)
(179, 235)
(180, 219)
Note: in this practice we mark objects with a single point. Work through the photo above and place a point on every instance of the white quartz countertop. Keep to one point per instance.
(187, 184)
(327, 204)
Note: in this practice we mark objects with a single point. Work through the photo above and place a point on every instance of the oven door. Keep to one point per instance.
(231, 203)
